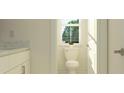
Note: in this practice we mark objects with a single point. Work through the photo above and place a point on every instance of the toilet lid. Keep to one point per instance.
(72, 61)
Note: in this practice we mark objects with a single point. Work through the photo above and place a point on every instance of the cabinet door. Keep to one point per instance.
(20, 69)
(16, 70)
(26, 68)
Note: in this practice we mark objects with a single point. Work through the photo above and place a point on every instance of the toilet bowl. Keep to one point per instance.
(71, 55)
(72, 66)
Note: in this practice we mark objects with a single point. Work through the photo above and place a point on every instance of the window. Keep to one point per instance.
(70, 31)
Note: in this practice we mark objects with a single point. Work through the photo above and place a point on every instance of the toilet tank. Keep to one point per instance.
(71, 52)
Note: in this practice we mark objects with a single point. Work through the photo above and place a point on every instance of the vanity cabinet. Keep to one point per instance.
(20, 69)
(16, 63)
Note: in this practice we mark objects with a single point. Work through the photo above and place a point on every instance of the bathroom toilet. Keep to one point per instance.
(72, 66)
(71, 55)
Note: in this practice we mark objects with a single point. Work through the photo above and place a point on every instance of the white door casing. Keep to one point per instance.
(92, 46)
(97, 46)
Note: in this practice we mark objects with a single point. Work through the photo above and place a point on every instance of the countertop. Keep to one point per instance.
(12, 51)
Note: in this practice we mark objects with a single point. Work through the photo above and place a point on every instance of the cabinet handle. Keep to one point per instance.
(23, 69)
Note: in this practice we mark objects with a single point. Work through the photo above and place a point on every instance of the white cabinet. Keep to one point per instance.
(20, 69)
(16, 70)
(16, 63)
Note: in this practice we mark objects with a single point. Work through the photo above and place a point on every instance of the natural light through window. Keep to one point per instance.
(70, 31)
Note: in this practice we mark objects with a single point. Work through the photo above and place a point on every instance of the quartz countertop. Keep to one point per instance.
(12, 51)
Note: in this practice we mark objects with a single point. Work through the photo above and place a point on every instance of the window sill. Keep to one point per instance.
(67, 45)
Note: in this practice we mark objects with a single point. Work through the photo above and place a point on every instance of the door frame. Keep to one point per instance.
(102, 48)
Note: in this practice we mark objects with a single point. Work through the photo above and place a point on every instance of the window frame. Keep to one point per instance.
(59, 35)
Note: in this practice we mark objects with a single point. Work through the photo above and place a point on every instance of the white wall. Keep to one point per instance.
(0, 31)
(38, 33)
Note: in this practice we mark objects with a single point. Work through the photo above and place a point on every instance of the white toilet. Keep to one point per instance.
(71, 54)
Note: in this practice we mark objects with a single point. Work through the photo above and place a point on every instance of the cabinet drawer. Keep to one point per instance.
(4, 64)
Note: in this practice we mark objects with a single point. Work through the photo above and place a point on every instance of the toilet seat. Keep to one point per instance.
(72, 63)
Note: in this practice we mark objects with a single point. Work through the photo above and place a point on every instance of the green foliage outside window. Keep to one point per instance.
(71, 33)
(74, 22)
